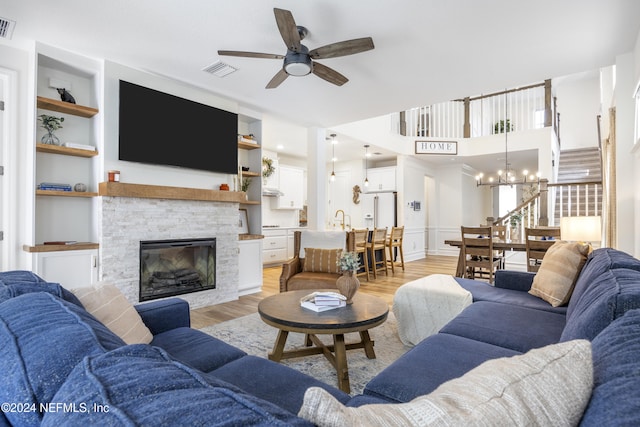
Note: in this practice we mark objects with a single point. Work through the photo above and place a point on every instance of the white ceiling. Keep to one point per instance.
(426, 51)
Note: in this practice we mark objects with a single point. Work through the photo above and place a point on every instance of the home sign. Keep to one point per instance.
(437, 147)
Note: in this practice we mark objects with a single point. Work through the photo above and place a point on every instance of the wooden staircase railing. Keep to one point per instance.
(574, 199)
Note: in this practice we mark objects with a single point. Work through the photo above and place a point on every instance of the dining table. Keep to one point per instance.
(498, 245)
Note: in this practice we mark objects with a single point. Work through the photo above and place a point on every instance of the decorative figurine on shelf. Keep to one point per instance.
(65, 96)
(51, 124)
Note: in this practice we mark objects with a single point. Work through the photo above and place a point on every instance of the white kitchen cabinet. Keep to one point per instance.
(381, 179)
(292, 185)
(72, 269)
(275, 246)
(250, 265)
(290, 243)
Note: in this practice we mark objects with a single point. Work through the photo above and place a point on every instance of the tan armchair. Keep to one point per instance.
(294, 277)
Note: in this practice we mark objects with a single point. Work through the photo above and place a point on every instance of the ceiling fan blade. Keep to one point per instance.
(250, 54)
(277, 79)
(329, 74)
(347, 47)
(288, 29)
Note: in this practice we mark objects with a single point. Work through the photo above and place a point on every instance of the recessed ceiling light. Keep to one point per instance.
(279, 147)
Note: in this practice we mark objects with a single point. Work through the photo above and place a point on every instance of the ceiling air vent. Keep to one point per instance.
(219, 69)
(6, 28)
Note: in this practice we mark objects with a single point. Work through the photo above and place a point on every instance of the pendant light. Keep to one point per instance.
(366, 174)
(334, 141)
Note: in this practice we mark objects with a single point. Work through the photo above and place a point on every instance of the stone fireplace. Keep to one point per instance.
(176, 267)
(130, 216)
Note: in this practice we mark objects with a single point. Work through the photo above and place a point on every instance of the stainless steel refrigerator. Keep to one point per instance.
(380, 209)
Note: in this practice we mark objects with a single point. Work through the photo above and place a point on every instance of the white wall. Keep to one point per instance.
(340, 193)
(625, 119)
(411, 188)
(579, 105)
(636, 151)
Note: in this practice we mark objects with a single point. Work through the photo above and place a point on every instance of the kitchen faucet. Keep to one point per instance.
(336, 216)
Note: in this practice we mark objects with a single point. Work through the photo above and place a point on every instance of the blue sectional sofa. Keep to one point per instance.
(60, 366)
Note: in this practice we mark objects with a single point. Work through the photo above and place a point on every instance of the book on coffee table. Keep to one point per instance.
(310, 305)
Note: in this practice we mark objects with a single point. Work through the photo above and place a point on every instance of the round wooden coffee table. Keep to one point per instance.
(283, 311)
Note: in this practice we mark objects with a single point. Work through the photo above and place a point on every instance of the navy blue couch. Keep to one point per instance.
(60, 366)
(506, 320)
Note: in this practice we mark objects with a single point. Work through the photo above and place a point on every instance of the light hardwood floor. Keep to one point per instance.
(384, 286)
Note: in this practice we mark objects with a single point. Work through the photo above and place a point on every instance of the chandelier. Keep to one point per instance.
(507, 176)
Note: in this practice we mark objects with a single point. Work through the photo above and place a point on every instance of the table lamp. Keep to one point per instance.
(581, 229)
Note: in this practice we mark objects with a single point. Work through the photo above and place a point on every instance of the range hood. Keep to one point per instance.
(271, 192)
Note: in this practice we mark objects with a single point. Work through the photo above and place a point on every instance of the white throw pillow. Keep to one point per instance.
(106, 303)
(546, 386)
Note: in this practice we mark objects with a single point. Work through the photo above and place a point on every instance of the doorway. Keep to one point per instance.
(8, 105)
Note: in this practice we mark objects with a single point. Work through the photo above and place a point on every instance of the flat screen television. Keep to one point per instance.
(162, 129)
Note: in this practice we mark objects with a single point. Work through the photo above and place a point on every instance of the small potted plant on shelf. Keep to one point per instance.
(348, 284)
(50, 124)
(244, 186)
(501, 125)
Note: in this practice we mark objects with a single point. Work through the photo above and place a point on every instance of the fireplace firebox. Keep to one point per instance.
(174, 267)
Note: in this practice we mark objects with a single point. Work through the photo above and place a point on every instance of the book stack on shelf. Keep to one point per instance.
(79, 146)
(248, 139)
(53, 186)
(323, 301)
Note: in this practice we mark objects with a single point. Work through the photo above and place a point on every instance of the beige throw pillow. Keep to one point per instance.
(547, 386)
(321, 260)
(107, 304)
(559, 271)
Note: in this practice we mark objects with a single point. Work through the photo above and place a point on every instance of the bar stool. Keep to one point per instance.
(378, 241)
(395, 241)
(361, 236)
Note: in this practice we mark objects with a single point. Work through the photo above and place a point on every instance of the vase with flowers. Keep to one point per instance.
(50, 124)
(348, 284)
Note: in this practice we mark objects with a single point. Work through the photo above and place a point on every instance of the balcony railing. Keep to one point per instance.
(520, 109)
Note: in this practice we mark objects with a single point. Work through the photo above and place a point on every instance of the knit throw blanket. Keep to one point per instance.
(424, 306)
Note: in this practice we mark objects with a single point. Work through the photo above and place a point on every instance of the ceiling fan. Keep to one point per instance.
(299, 60)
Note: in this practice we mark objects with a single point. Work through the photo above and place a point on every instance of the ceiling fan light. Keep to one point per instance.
(298, 63)
(297, 69)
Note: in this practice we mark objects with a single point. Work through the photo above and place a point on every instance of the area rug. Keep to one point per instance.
(252, 335)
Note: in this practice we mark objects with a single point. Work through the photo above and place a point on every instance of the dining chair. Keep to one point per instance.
(377, 243)
(361, 237)
(395, 241)
(538, 241)
(477, 250)
(500, 233)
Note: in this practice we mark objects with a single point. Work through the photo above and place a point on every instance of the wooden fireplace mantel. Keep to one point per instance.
(142, 191)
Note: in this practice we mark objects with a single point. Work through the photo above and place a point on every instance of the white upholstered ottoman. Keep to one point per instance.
(424, 306)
